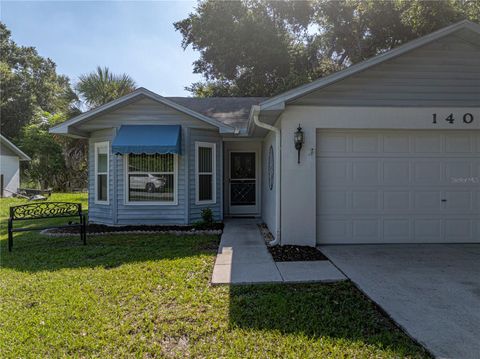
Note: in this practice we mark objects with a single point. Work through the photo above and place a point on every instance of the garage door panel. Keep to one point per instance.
(396, 172)
(427, 143)
(396, 143)
(365, 143)
(459, 143)
(397, 229)
(334, 172)
(461, 201)
(427, 172)
(396, 201)
(365, 172)
(427, 230)
(427, 201)
(398, 187)
(365, 201)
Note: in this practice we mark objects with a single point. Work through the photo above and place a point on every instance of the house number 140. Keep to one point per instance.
(467, 118)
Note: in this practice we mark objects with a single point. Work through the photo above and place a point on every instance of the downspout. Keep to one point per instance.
(278, 147)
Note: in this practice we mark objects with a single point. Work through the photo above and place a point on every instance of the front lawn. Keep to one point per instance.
(149, 296)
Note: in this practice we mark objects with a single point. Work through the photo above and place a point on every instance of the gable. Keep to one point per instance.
(144, 111)
(445, 72)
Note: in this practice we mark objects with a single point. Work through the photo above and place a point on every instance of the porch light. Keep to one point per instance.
(298, 140)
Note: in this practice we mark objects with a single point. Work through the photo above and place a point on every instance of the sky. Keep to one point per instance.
(137, 38)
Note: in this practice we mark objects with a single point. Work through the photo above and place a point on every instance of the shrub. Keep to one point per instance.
(207, 215)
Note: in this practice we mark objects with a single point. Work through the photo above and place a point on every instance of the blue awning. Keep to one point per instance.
(148, 139)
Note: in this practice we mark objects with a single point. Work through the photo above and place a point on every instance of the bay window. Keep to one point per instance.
(205, 173)
(151, 179)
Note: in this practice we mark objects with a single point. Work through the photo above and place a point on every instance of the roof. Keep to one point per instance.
(280, 100)
(21, 155)
(232, 111)
(67, 127)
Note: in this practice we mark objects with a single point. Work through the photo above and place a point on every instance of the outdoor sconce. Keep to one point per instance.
(298, 140)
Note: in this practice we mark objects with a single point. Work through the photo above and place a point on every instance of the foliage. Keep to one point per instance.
(273, 46)
(207, 215)
(57, 162)
(102, 86)
(150, 296)
(28, 84)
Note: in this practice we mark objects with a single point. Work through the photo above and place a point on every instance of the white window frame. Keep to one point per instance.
(97, 146)
(213, 146)
(150, 203)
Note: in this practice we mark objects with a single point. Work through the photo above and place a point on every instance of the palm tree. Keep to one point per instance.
(101, 86)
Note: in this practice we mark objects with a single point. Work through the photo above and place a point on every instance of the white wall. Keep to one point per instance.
(268, 195)
(298, 190)
(10, 169)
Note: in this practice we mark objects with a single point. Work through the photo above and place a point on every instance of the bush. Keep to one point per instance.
(207, 215)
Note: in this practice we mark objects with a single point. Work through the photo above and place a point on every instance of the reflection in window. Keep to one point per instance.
(151, 178)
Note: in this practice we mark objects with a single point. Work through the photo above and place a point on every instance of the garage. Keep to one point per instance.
(397, 186)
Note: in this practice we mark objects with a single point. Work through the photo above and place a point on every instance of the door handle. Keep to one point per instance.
(444, 200)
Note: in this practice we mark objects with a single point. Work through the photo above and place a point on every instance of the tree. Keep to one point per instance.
(57, 162)
(102, 86)
(28, 84)
(262, 47)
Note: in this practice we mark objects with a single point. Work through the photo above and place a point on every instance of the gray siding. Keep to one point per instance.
(194, 209)
(443, 73)
(100, 213)
(118, 212)
(151, 214)
(144, 111)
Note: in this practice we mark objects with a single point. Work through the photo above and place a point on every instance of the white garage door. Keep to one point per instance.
(398, 186)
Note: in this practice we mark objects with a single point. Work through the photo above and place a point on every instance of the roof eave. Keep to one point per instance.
(21, 155)
(64, 127)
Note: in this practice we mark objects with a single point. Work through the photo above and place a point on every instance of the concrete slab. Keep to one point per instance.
(245, 274)
(312, 271)
(432, 291)
(237, 255)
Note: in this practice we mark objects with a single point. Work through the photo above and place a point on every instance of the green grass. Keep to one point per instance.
(149, 296)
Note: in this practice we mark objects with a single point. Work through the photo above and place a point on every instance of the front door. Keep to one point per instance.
(243, 183)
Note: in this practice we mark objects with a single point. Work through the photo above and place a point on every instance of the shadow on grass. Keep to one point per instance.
(336, 310)
(34, 252)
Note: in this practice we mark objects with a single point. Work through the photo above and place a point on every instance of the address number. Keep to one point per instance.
(466, 118)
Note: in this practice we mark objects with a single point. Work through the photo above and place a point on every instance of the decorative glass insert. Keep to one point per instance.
(271, 168)
(242, 179)
(151, 178)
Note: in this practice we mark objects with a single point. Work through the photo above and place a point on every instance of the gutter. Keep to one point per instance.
(256, 111)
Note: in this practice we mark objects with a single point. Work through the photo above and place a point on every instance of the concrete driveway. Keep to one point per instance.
(432, 291)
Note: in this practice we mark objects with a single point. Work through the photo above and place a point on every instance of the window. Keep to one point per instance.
(101, 172)
(205, 172)
(151, 178)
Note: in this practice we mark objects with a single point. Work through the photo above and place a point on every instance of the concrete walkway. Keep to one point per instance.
(243, 258)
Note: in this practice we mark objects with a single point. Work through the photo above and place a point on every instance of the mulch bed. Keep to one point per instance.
(289, 253)
(101, 228)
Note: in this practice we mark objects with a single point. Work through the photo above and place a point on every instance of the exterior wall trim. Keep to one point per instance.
(213, 146)
(97, 146)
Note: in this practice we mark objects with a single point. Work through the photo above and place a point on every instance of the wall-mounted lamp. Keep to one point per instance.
(298, 140)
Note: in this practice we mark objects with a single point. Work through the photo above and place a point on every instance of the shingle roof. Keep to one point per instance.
(232, 111)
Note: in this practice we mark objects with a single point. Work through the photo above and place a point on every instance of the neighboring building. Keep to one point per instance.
(10, 157)
(391, 152)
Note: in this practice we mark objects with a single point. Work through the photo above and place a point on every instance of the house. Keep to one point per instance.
(390, 152)
(10, 157)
